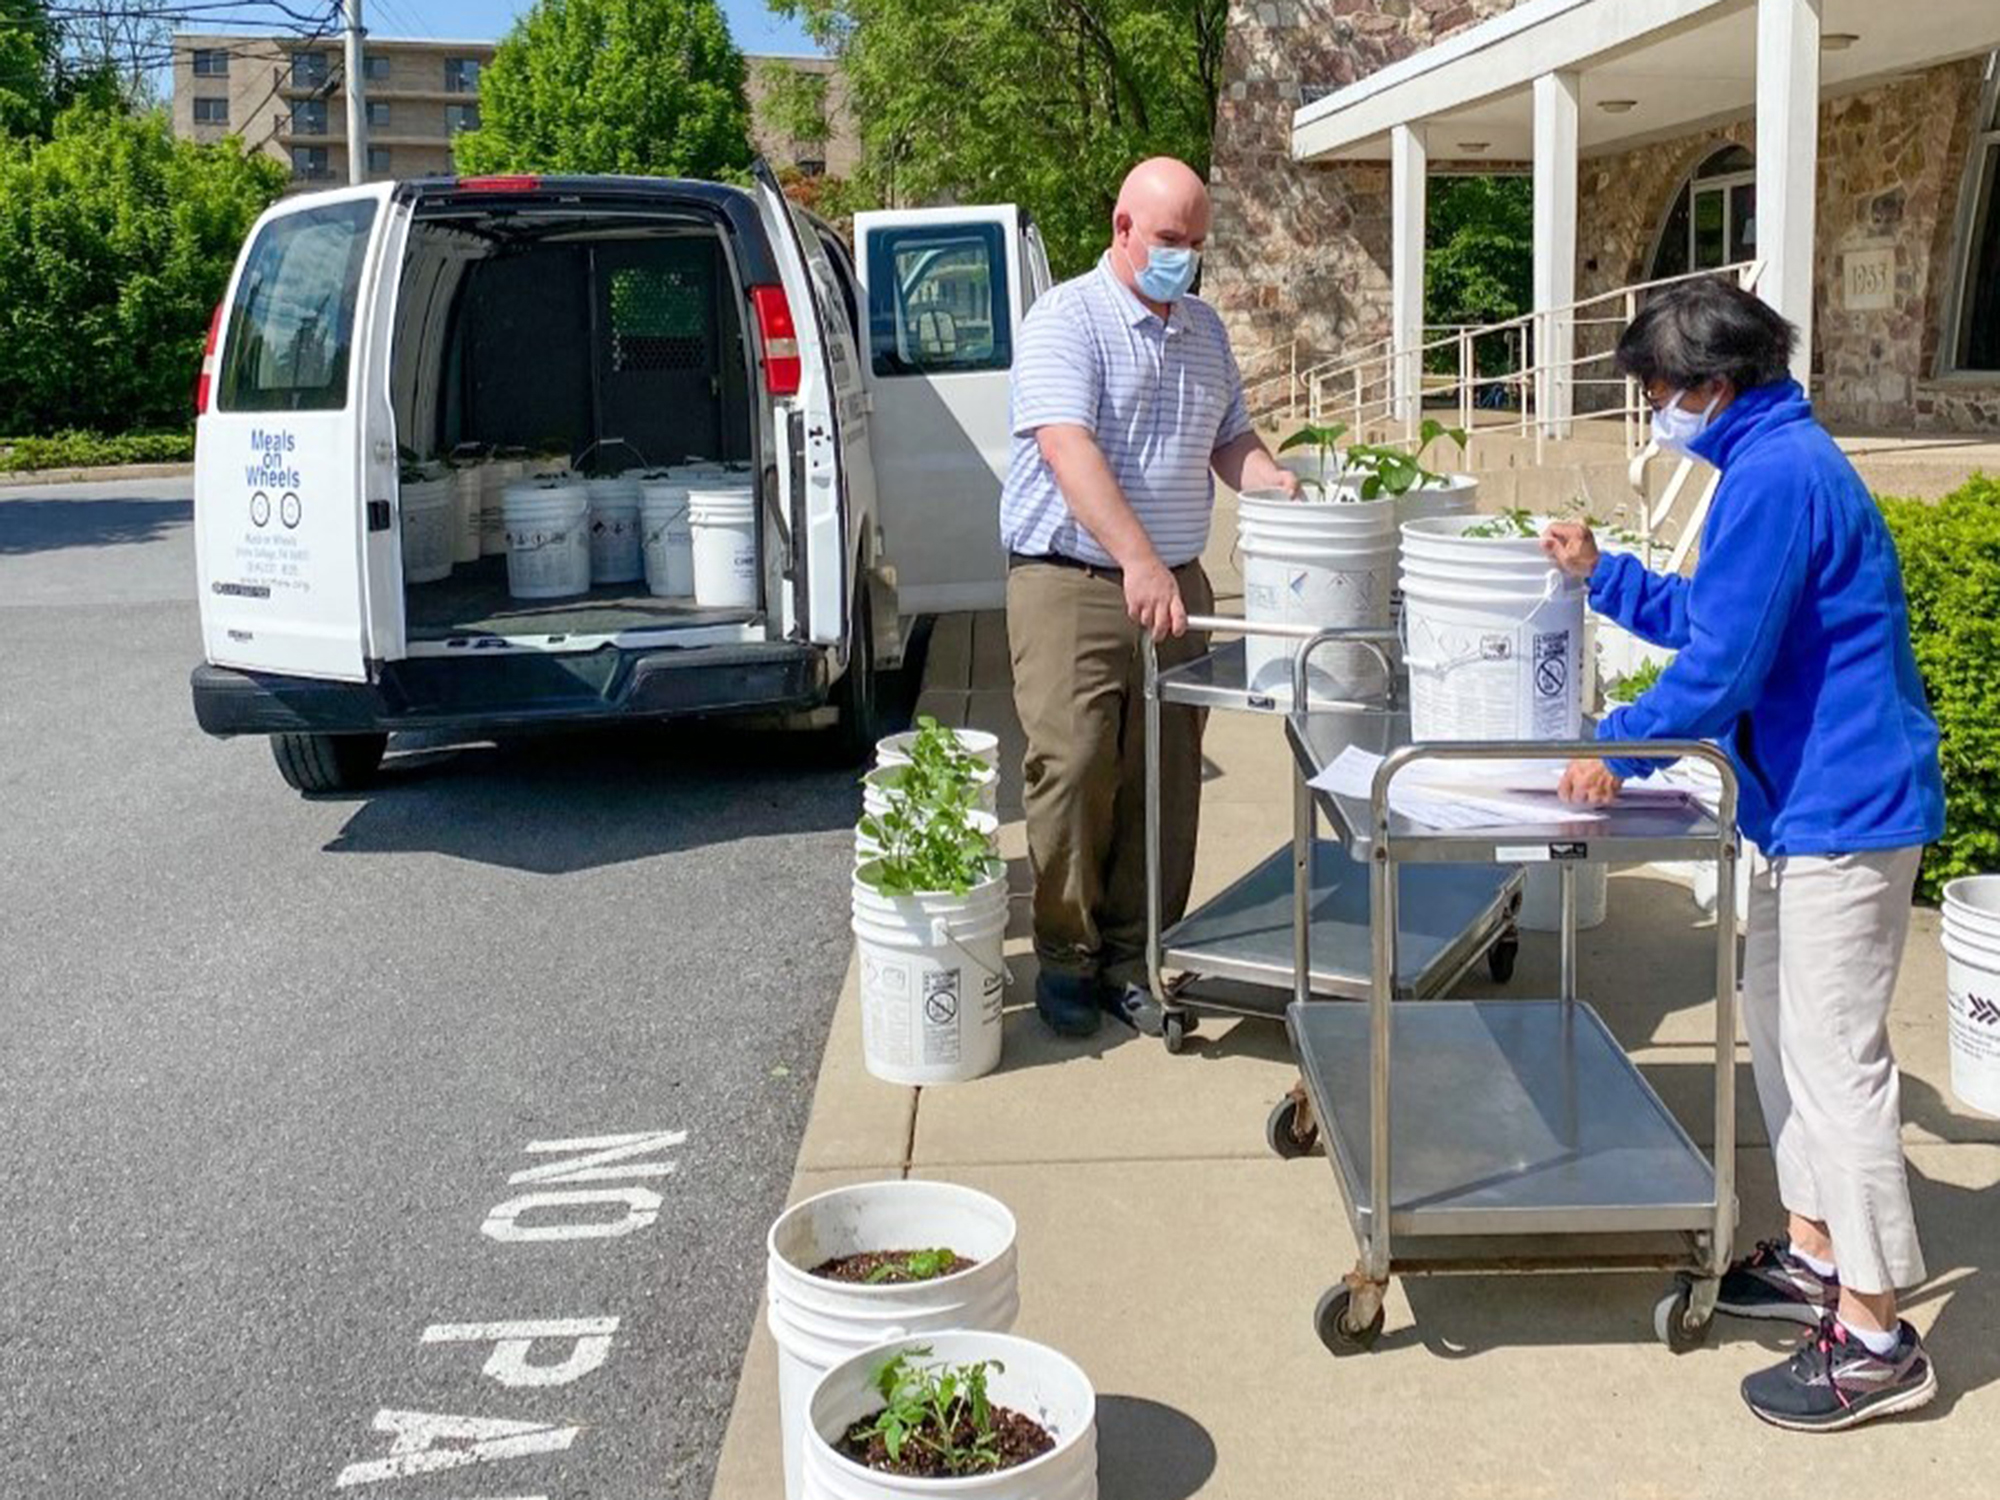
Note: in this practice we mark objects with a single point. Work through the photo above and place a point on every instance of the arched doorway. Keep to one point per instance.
(1713, 220)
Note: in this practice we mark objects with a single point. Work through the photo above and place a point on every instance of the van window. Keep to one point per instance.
(937, 300)
(292, 325)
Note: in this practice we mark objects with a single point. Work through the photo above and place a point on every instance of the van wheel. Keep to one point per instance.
(860, 725)
(328, 762)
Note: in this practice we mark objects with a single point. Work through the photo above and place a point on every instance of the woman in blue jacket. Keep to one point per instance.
(1793, 650)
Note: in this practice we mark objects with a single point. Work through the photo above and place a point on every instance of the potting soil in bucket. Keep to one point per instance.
(723, 519)
(1972, 989)
(817, 1323)
(548, 538)
(1318, 563)
(428, 522)
(615, 555)
(932, 979)
(665, 539)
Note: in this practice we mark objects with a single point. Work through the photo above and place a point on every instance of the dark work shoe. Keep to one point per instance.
(1068, 1003)
(1131, 1003)
(1833, 1382)
(1773, 1283)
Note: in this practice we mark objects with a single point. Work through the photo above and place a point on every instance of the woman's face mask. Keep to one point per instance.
(1168, 272)
(1674, 427)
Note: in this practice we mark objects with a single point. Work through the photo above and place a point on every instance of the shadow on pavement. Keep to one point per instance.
(1147, 1451)
(53, 525)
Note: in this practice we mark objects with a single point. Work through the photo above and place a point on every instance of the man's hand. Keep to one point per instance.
(1588, 783)
(1571, 547)
(1153, 599)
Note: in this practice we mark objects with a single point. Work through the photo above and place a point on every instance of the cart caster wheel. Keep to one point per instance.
(1330, 1321)
(1176, 1026)
(1500, 959)
(1673, 1321)
(1282, 1133)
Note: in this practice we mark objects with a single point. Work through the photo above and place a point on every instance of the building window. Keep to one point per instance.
(378, 161)
(309, 164)
(375, 67)
(309, 70)
(459, 117)
(1713, 220)
(1973, 341)
(211, 111)
(811, 166)
(211, 62)
(461, 75)
(308, 117)
(378, 113)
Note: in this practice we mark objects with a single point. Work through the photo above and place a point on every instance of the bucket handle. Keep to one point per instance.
(1550, 584)
(942, 935)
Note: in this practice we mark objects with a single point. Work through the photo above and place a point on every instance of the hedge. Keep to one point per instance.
(1950, 551)
(90, 450)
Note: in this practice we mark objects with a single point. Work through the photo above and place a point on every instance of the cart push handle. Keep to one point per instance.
(1375, 639)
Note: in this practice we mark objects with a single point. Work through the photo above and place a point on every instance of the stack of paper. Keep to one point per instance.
(1478, 794)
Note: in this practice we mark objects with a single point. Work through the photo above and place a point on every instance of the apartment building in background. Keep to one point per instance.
(288, 98)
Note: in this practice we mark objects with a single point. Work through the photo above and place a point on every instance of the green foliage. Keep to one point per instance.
(1391, 471)
(927, 1408)
(793, 101)
(927, 839)
(1513, 522)
(1642, 679)
(1950, 552)
(116, 242)
(1324, 441)
(918, 1265)
(1478, 259)
(90, 450)
(29, 46)
(652, 87)
(1027, 101)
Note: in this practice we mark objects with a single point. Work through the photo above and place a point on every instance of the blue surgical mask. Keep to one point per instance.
(1674, 427)
(1168, 272)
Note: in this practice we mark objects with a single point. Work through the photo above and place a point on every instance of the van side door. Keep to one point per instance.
(946, 290)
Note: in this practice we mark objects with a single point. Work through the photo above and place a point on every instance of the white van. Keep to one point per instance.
(374, 336)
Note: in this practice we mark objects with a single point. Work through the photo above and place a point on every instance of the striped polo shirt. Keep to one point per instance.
(1160, 396)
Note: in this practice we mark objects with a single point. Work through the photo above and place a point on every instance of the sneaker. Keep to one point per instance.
(1133, 1004)
(1772, 1282)
(1067, 1003)
(1833, 1381)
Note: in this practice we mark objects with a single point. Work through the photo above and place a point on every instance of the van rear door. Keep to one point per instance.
(946, 291)
(296, 541)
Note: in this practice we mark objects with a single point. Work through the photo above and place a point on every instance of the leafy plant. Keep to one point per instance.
(918, 1265)
(1642, 679)
(929, 1408)
(1391, 471)
(1950, 552)
(928, 841)
(84, 450)
(1323, 440)
(1512, 523)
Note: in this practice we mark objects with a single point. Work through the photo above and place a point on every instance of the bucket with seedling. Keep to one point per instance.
(424, 493)
(853, 1267)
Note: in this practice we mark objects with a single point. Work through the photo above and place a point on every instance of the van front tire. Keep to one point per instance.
(328, 762)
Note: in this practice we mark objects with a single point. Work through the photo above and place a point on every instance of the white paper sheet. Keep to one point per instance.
(1423, 796)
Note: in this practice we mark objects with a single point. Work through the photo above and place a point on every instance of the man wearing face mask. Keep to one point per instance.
(1793, 651)
(1126, 400)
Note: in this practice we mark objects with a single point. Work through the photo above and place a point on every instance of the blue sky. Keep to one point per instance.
(755, 28)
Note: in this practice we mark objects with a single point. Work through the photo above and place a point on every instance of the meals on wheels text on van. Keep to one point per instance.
(1126, 403)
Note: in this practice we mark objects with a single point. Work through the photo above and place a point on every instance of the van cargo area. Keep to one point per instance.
(544, 336)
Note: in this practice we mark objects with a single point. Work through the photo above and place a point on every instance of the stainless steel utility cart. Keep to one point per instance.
(1240, 953)
(1514, 1135)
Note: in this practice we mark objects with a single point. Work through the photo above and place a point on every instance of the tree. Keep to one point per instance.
(654, 87)
(28, 67)
(1479, 259)
(1046, 103)
(116, 242)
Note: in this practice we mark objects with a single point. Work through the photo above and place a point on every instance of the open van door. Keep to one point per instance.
(297, 542)
(946, 290)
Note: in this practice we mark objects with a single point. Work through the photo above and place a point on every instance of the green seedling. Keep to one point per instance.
(918, 1265)
(1323, 440)
(1644, 679)
(925, 1408)
(1513, 523)
(928, 841)
(1391, 471)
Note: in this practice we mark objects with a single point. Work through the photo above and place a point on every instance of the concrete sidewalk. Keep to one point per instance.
(1166, 1250)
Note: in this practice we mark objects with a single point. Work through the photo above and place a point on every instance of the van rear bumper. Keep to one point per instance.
(517, 690)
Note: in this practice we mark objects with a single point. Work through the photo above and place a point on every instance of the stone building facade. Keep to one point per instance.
(1303, 249)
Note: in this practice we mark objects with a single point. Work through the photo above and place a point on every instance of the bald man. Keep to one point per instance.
(1126, 400)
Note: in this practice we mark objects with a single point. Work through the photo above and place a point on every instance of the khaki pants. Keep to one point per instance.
(1079, 689)
(1819, 969)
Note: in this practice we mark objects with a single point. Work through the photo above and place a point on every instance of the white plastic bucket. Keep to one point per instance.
(428, 522)
(1972, 989)
(1541, 897)
(1455, 497)
(1321, 564)
(665, 538)
(865, 848)
(894, 749)
(494, 478)
(875, 787)
(467, 490)
(818, 1324)
(1492, 634)
(1033, 1380)
(548, 538)
(615, 554)
(723, 522)
(932, 979)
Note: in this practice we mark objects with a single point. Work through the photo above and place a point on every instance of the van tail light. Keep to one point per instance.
(204, 381)
(779, 337)
(506, 184)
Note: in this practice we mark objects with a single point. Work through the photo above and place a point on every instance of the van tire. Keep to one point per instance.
(855, 695)
(328, 762)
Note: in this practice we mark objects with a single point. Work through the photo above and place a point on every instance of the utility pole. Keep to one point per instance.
(357, 96)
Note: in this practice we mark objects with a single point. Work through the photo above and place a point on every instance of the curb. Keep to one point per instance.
(23, 478)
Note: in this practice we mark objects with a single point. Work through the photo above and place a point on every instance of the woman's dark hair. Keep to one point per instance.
(1694, 331)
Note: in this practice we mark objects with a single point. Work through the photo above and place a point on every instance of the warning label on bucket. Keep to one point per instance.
(941, 1031)
(1554, 717)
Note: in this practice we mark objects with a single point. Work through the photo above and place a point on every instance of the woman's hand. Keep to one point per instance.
(1588, 783)
(1571, 547)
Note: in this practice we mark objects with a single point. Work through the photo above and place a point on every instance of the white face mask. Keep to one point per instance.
(1674, 427)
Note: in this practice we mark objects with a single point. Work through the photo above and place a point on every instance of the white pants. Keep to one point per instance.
(1826, 940)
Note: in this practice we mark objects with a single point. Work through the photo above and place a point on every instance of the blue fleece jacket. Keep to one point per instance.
(1793, 642)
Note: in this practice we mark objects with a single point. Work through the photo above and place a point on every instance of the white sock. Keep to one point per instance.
(1877, 1343)
(1821, 1268)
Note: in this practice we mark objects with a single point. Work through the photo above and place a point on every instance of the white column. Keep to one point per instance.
(1409, 164)
(1555, 247)
(1788, 161)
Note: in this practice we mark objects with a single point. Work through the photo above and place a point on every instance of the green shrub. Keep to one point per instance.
(90, 450)
(1950, 551)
